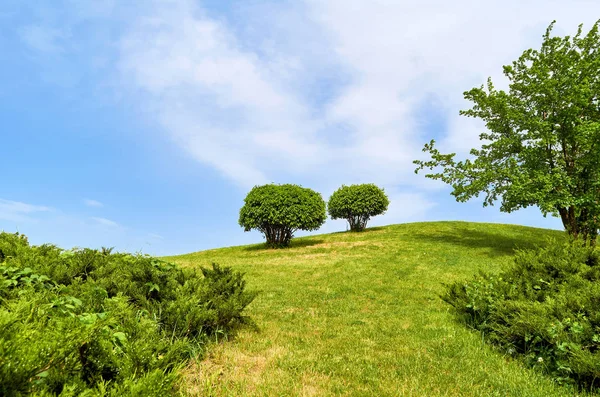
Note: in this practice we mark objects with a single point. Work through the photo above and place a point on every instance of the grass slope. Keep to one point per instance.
(359, 314)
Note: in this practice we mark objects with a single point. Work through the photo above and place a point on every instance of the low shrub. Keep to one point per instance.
(89, 322)
(545, 309)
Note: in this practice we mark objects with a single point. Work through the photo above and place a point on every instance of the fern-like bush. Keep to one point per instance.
(357, 204)
(545, 309)
(96, 323)
(278, 211)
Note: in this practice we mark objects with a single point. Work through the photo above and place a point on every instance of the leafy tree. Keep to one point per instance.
(357, 204)
(542, 147)
(278, 211)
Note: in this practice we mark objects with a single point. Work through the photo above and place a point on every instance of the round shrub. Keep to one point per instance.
(357, 204)
(278, 211)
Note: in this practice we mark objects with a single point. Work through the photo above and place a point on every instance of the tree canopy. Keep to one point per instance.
(542, 144)
(357, 204)
(278, 211)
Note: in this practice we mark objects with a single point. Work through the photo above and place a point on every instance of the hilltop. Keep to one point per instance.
(360, 314)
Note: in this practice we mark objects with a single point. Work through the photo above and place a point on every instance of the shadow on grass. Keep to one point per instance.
(299, 243)
(372, 229)
(495, 242)
(367, 230)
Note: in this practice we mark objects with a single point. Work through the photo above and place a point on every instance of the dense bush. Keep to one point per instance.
(357, 204)
(545, 309)
(89, 322)
(278, 211)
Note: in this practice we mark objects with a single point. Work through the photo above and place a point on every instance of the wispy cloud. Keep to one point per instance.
(16, 211)
(44, 39)
(219, 101)
(105, 222)
(401, 54)
(93, 203)
(233, 105)
(314, 92)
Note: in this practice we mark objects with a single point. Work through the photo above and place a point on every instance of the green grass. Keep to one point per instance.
(360, 314)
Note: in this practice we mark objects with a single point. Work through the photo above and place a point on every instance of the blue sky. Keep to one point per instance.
(142, 125)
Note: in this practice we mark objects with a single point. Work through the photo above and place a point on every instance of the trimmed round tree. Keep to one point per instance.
(278, 211)
(357, 204)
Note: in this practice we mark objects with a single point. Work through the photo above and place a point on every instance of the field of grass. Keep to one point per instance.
(360, 314)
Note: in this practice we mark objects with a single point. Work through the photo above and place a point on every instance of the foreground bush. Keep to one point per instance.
(88, 322)
(545, 309)
(357, 204)
(278, 211)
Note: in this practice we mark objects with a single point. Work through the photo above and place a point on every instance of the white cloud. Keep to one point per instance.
(220, 102)
(105, 222)
(232, 104)
(15, 211)
(93, 203)
(401, 51)
(318, 92)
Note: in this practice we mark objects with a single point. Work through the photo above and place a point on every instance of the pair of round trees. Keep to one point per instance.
(278, 211)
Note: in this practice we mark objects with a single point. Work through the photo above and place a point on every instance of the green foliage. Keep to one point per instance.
(278, 211)
(357, 204)
(543, 309)
(88, 322)
(541, 148)
(360, 314)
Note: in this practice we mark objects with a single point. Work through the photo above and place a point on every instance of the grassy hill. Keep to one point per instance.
(360, 314)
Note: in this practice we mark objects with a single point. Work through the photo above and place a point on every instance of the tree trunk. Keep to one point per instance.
(569, 221)
(584, 226)
(574, 227)
(277, 235)
(357, 222)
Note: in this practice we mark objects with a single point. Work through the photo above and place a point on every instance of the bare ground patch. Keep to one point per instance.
(226, 367)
